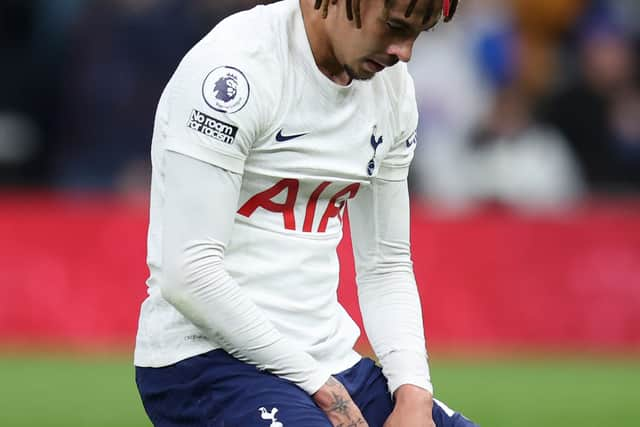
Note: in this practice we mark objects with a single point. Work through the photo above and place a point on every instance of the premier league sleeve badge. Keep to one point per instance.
(226, 89)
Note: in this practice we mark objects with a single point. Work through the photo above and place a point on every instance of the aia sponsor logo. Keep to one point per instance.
(290, 188)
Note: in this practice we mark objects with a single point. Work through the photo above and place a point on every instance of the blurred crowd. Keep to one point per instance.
(530, 103)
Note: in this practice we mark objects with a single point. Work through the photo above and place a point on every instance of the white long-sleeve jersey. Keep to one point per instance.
(256, 155)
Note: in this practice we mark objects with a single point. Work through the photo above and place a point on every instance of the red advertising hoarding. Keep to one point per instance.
(72, 271)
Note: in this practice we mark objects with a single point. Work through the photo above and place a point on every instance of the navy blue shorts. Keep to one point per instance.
(217, 390)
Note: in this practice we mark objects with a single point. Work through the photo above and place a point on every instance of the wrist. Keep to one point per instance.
(409, 393)
(325, 397)
(322, 398)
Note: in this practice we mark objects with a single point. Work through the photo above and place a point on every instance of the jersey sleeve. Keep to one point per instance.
(387, 291)
(395, 166)
(199, 211)
(222, 98)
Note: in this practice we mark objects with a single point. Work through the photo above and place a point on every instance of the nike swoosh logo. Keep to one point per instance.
(282, 138)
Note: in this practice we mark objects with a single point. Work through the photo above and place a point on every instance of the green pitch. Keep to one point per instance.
(563, 392)
(551, 392)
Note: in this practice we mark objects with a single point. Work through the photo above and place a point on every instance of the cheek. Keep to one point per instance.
(357, 47)
(366, 41)
(345, 42)
(376, 40)
(361, 43)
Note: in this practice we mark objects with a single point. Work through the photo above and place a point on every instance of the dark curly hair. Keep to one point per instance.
(353, 9)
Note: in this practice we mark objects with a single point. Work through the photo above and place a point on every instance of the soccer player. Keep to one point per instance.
(275, 123)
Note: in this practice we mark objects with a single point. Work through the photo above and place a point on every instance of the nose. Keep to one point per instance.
(402, 49)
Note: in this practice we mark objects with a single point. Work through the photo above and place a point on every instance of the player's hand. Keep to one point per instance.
(337, 404)
(412, 408)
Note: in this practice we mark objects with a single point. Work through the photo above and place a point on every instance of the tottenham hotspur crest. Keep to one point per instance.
(270, 416)
(375, 142)
(226, 89)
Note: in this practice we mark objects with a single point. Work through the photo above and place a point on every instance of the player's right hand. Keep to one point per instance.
(337, 404)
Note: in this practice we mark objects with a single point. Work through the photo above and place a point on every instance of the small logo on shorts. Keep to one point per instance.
(213, 128)
(226, 89)
(270, 416)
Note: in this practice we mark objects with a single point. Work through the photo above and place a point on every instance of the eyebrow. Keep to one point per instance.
(405, 26)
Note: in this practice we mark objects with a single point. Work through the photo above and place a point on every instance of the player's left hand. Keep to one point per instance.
(412, 408)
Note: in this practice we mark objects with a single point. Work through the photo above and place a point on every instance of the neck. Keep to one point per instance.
(317, 30)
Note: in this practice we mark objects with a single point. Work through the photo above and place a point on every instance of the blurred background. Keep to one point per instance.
(525, 192)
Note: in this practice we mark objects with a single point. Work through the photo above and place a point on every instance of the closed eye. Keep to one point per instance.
(401, 28)
(396, 27)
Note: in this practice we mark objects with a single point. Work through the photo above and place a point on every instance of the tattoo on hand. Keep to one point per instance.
(340, 405)
(357, 423)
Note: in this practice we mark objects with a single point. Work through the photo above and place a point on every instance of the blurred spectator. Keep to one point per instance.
(478, 138)
(122, 54)
(116, 64)
(452, 95)
(541, 25)
(21, 110)
(599, 112)
(81, 78)
(520, 162)
(32, 38)
(629, 13)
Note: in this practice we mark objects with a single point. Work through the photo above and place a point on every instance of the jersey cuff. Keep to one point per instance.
(406, 367)
(313, 384)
